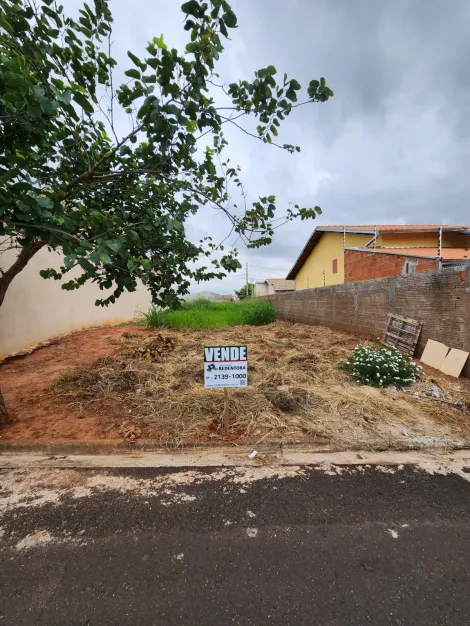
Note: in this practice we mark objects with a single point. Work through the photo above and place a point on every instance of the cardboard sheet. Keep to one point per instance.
(434, 353)
(454, 362)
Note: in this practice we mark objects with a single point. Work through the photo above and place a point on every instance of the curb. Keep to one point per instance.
(125, 447)
(227, 457)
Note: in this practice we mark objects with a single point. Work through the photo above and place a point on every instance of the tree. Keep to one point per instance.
(245, 292)
(115, 202)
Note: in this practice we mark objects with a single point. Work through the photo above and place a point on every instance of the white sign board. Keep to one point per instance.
(225, 366)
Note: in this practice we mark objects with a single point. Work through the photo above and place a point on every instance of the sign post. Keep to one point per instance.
(226, 417)
(224, 367)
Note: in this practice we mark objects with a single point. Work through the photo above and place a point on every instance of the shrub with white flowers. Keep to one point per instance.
(381, 367)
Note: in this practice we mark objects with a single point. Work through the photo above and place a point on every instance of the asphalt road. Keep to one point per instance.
(215, 547)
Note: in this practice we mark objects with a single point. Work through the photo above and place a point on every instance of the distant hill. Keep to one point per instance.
(208, 295)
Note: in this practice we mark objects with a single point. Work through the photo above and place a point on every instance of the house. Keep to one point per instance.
(343, 254)
(271, 286)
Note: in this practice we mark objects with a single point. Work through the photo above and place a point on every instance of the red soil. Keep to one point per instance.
(38, 415)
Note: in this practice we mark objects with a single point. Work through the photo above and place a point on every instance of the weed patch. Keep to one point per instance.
(207, 314)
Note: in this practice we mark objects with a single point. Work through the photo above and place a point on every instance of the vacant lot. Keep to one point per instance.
(295, 394)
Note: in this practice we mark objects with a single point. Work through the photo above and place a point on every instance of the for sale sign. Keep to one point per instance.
(225, 366)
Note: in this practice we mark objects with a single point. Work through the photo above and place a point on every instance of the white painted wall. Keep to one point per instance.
(263, 289)
(36, 309)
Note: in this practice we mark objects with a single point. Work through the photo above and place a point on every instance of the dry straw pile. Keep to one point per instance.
(296, 392)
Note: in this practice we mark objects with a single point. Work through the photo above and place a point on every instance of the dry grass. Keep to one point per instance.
(295, 393)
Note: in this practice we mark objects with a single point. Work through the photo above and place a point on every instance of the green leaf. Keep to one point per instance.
(230, 19)
(83, 101)
(5, 25)
(134, 59)
(158, 41)
(133, 74)
(86, 265)
(105, 258)
(274, 130)
(46, 105)
(191, 126)
(45, 202)
(65, 96)
(223, 28)
(69, 260)
(191, 8)
(114, 245)
(68, 223)
(71, 111)
(290, 93)
(192, 109)
(192, 47)
(154, 63)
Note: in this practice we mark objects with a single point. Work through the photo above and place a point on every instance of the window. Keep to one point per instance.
(335, 266)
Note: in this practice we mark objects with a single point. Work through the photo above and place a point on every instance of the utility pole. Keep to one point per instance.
(247, 283)
(439, 251)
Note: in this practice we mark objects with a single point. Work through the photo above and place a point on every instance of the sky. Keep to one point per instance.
(392, 146)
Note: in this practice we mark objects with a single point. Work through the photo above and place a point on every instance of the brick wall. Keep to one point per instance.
(440, 299)
(359, 265)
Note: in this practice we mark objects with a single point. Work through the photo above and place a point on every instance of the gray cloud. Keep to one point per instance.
(391, 146)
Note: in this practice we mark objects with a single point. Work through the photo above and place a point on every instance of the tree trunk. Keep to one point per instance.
(22, 260)
(6, 277)
(4, 417)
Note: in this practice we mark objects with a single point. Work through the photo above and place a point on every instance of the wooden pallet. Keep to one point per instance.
(402, 333)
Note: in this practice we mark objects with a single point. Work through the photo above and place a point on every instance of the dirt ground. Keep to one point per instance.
(92, 386)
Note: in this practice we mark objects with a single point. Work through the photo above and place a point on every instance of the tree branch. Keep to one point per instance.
(86, 175)
(272, 143)
(22, 260)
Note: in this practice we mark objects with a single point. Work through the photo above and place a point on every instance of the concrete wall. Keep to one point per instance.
(360, 265)
(36, 309)
(439, 299)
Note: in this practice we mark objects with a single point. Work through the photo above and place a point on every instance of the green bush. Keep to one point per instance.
(259, 312)
(207, 314)
(381, 367)
(155, 317)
